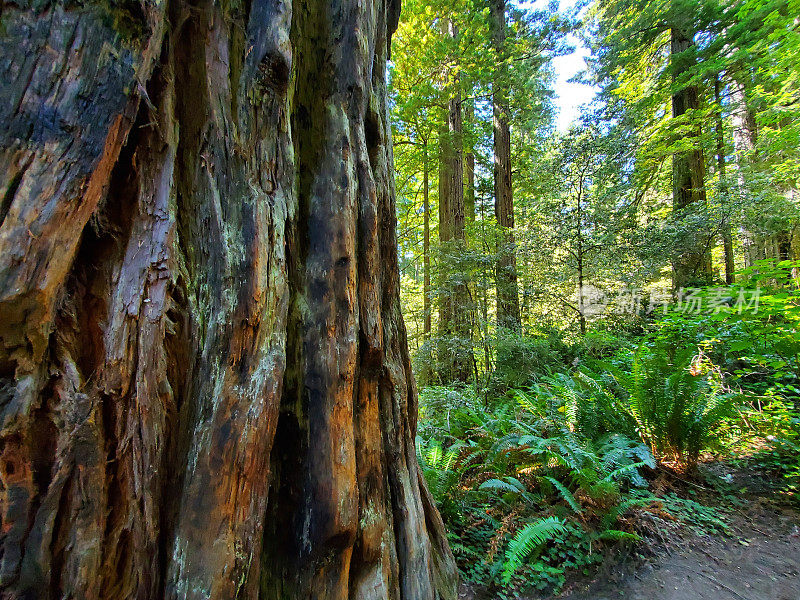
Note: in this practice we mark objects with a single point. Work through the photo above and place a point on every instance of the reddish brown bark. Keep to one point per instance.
(455, 350)
(205, 384)
(508, 315)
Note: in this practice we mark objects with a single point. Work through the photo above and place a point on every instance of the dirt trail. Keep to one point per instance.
(760, 560)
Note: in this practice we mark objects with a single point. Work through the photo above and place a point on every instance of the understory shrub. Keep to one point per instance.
(677, 398)
(522, 360)
(517, 483)
(542, 467)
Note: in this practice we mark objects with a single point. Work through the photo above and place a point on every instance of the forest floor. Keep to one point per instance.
(757, 557)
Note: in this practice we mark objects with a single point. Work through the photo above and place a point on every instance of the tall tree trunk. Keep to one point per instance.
(469, 167)
(579, 255)
(507, 293)
(444, 295)
(206, 390)
(745, 128)
(727, 235)
(523, 272)
(581, 287)
(426, 373)
(426, 243)
(455, 350)
(745, 133)
(691, 263)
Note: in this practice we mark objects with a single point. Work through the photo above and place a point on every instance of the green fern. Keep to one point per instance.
(505, 485)
(676, 409)
(566, 495)
(623, 472)
(620, 509)
(615, 535)
(527, 540)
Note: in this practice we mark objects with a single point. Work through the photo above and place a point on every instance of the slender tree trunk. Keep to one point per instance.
(206, 389)
(580, 258)
(523, 271)
(691, 263)
(581, 305)
(507, 293)
(426, 373)
(456, 170)
(727, 236)
(486, 284)
(469, 168)
(744, 142)
(443, 293)
(426, 243)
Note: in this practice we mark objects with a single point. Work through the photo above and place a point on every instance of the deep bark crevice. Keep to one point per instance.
(58, 546)
(10, 194)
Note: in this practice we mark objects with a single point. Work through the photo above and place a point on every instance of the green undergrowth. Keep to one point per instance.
(560, 460)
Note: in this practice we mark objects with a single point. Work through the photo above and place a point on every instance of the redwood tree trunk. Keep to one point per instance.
(455, 350)
(426, 244)
(727, 235)
(507, 293)
(206, 390)
(691, 263)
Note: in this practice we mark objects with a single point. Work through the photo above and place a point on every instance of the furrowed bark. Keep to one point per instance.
(508, 315)
(206, 389)
(455, 349)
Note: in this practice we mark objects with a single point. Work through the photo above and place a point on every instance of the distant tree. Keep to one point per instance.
(579, 237)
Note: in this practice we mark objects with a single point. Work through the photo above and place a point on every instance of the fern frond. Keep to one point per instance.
(617, 535)
(527, 540)
(566, 494)
(620, 509)
(627, 470)
(511, 485)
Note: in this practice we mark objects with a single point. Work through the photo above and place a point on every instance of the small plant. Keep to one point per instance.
(440, 471)
(700, 518)
(521, 361)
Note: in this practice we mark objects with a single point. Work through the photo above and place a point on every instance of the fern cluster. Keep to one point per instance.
(677, 399)
(519, 482)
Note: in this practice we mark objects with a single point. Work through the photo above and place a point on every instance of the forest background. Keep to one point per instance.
(595, 296)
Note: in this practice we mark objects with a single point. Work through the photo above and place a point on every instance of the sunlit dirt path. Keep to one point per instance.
(760, 560)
